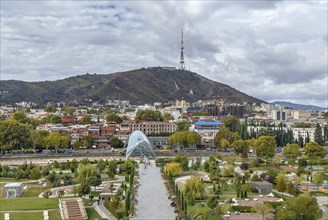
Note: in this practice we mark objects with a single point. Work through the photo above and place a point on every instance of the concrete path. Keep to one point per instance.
(153, 202)
(283, 194)
(103, 212)
(321, 201)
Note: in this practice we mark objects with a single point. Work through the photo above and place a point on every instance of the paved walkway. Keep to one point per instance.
(153, 202)
(103, 212)
(321, 201)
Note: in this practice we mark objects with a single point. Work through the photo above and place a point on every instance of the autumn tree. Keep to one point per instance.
(292, 151)
(53, 140)
(85, 120)
(224, 133)
(314, 150)
(172, 169)
(265, 147)
(282, 181)
(193, 189)
(241, 148)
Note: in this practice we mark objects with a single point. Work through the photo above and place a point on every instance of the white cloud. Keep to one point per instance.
(274, 50)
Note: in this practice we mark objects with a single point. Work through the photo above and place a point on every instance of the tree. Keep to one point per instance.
(318, 135)
(314, 150)
(87, 171)
(111, 168)
(184, 138)
(292, 151)
(38, 138)
(241, 148)
(212, 202)
(261, 209)
(65, 141)
(53, 140)
(74, 165)
(116, 201)
(318, 178)
(193, 189)
(86, 141)
(224, 144)
(85, 120)
(84, 188)
(232, 123)
(224, 133)
(114, 118)
(115, 142)
(35, 173)
(282, 181)
(173, 169)
(265, 147)
(13, 135)
(95, 181)
(148, 115)
(167, 116)
(101, 165)
(183, 161)
(47, 194)
(303, 206)
(183, 125)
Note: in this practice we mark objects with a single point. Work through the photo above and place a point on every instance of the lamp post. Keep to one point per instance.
(301, 216)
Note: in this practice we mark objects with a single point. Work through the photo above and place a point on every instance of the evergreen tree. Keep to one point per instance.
(318, 135)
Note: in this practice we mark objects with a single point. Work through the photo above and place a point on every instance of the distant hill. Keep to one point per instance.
(299, 106)
(146, 85)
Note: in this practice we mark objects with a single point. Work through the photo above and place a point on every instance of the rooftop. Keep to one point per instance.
(13, 184)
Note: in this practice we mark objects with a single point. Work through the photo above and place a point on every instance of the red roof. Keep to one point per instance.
(68, 120)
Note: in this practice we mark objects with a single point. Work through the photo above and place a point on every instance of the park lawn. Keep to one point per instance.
(2, 184)
(54, 215)
(92, 214)
(28, 204)
(12, 180)
(34, 192)
(24, 215)
(197, 208)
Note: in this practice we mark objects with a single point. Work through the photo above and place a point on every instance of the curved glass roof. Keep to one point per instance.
(138, 141)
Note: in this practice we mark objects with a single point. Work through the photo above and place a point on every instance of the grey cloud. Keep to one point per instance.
(269, 49)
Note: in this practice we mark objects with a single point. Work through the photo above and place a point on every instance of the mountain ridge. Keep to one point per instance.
(299, 106)
(145, 85)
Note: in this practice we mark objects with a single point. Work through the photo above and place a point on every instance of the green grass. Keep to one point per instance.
(54, 215)
(326, 205)
(2, 184)
(92, 214)
(11, 180)
(193, 210)
(34, 192)
(28, 204)
(24, 215)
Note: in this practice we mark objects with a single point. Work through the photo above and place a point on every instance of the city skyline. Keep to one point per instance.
(274, 50)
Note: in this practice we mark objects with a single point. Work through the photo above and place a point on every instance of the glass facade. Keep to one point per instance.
(138, 142)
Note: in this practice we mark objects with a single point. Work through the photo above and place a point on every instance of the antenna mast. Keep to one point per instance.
(181, 64)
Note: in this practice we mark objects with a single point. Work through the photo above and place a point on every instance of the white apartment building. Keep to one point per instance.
(153, 127)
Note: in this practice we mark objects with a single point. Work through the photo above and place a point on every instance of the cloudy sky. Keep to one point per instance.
(273, 49)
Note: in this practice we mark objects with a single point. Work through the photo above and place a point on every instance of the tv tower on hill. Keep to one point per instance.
(182, 63)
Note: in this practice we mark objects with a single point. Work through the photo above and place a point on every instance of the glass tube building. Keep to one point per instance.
(138, 142)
